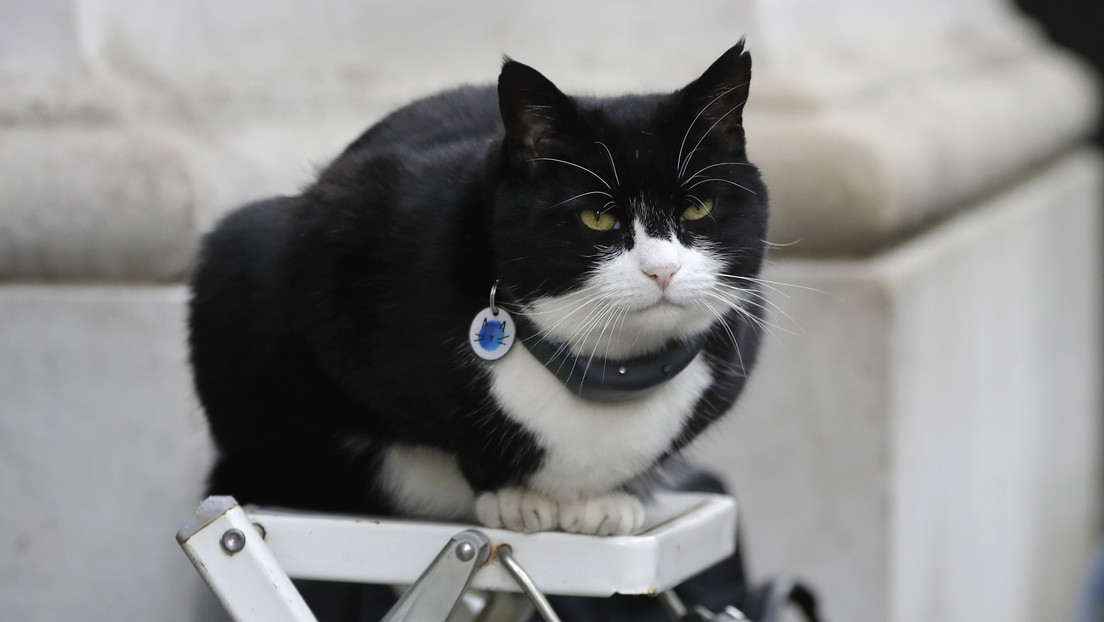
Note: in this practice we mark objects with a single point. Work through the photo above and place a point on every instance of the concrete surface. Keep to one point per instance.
(103, 450)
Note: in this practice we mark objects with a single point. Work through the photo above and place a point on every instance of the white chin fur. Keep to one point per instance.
(621, 312)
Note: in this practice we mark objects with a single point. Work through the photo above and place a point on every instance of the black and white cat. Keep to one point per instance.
(331, 331)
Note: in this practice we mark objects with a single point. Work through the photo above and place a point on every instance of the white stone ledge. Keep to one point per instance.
(112, 173)
(94, 202)
(855, 176)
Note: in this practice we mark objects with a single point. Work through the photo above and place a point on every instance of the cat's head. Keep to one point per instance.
(623, 223)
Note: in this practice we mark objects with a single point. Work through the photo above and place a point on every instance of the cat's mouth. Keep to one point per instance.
(663, 304)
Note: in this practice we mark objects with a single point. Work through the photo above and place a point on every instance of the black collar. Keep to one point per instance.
(607, 380)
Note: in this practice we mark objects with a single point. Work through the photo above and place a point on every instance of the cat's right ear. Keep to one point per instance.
(535, 114)
(715, 101)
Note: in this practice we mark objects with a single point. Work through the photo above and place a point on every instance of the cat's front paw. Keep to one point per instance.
(613, 514)
(517, 509)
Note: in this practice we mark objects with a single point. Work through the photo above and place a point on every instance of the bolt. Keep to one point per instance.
(465, 551)
(232, 541)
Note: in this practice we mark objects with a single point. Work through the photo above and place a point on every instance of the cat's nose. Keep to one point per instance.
(662, 275)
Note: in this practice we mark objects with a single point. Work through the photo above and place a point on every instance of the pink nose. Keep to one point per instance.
(662, 275)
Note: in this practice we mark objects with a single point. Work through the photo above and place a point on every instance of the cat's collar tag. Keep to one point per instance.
(492, 331)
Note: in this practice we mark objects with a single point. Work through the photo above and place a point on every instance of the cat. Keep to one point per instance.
(332, 337)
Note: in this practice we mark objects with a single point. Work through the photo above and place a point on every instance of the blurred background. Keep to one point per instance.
(923, 438)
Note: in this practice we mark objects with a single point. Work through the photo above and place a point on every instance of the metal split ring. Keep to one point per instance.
(494, 309)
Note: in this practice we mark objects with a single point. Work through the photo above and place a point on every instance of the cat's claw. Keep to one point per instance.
(614, 514)
(517, 509)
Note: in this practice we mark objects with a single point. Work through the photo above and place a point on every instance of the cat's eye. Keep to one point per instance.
(699, 210)
(599, 221)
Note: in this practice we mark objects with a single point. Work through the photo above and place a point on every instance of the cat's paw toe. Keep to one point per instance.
(614, 514)
(517, 509)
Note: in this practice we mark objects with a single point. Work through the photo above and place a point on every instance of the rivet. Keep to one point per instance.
(465, 551)
(232, 541)
(622, 370)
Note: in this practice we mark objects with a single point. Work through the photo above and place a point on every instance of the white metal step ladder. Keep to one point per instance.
(456, 573)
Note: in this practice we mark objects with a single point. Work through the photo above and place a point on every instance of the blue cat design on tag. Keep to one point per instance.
(491, 335)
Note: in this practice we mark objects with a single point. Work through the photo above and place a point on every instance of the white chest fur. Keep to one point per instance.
(591, 447)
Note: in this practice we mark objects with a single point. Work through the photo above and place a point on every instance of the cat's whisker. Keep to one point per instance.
(701, 203)
(763, 302)
(621, 327)
(689, 155)
(594, 314)
(737, 304)
(544, 335)
(579, 334)
(682, 170)
(532, 108)
(724, 181)
(602, 318)
(619, 322)
(720, 318)
(770, 244)
(770, 288)
(615, 318)
(746, 296)
(769, 328)
(735, 296)
(566, 304)
(690, 128)
(579, 196)
(578, 166)
(547, 335)
(779, 284)
(728, 330)
(598, 341)
(752, 290)
(764, 327)
(573, 306)
(563, 346)
(603, 252)
(759, 301)
(613, 166)
(702, 170)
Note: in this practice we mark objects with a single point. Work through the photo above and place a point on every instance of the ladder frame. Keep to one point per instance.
(247, 555)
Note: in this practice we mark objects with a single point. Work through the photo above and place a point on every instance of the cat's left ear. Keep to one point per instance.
(715, 101)
(535, 113)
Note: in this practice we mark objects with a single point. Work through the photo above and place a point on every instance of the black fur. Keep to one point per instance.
(326, 325)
